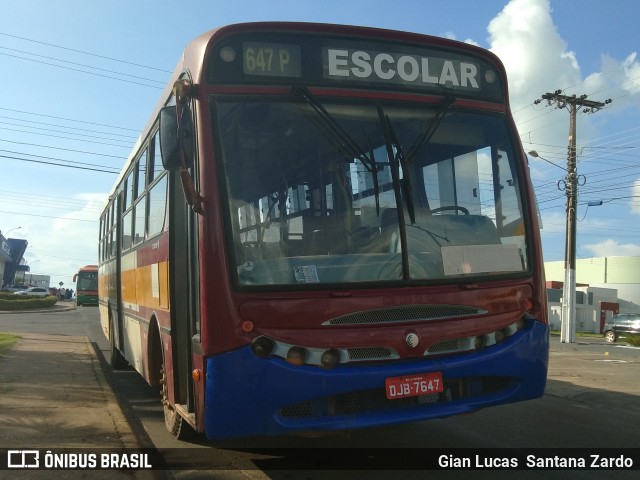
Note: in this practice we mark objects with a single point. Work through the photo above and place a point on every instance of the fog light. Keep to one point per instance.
(296, 355)
(479, 342)
(262, 347)
(330, 358)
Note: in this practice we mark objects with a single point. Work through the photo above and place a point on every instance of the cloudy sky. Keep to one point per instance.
(80, 79)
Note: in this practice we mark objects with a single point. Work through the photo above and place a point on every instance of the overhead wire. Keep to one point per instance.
(84, 52)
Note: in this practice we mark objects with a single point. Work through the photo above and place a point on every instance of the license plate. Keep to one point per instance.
(413, 385)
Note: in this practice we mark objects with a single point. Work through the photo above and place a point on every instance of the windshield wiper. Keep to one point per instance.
(397, 160)
(341, 138)
(430, 128)
(402, 187)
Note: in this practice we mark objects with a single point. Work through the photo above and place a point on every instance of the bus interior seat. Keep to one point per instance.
(433, 231)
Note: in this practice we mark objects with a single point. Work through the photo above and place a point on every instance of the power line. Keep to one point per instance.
(79, 65)
(81, 71)
(58, 164)
(69, 119)
(128, 146)
(76, 129)
(63, 149)
(50, 216)
(84, 52)
(58, 159)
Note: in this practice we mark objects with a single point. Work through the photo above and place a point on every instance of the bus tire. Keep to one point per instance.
(116, 359)
(176, 425)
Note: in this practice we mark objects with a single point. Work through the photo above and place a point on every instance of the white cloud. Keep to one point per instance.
(59, 246)
(539, 60)
(611, 248)
(635, 202)
(535, 55)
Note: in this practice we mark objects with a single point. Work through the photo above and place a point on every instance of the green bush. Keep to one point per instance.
(11, 302)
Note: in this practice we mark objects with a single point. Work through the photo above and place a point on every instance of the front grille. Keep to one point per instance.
(371, 353)
(354, 403)
(451, 345)
(406, 313)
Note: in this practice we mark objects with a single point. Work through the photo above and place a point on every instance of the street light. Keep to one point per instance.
(10, 230)
(535, 154)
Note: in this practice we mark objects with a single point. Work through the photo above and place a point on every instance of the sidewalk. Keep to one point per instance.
(54, 395)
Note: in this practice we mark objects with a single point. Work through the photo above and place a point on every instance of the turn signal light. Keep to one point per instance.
(528, 305)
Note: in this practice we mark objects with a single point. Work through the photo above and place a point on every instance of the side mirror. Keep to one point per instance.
(172, 140)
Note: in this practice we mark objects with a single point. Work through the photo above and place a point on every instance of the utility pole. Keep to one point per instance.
(570, 185)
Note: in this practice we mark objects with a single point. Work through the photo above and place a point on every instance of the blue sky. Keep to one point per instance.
(79, 79)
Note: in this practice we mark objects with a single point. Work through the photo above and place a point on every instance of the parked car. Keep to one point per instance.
(38, 291)
(14, 288)
(622, 325)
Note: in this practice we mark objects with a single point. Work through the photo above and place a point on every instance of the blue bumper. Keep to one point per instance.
(250, 396)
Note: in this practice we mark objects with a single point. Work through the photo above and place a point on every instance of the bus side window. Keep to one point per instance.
(154, 165)
(157, 207)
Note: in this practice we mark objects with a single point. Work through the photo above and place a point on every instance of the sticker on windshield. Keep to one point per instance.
(306, 274)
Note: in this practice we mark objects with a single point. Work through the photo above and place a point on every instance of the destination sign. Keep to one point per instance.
(271, 59)
(372, 66)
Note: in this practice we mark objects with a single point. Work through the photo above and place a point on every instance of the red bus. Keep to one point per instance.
(326, 227)
(86, 281)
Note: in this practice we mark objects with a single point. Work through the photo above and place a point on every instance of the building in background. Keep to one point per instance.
(604, 286)
(13, 268)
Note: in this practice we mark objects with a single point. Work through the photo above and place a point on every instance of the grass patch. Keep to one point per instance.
(7, 341)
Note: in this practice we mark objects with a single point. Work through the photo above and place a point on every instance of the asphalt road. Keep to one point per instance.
(591, 402)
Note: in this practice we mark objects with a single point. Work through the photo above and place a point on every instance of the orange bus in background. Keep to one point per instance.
(326, 227)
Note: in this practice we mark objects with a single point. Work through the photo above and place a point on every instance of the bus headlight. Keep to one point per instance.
(500, 335)
(330, 359)
(296, 355)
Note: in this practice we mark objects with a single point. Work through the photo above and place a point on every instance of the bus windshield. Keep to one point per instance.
(87, 281)
(341, 191)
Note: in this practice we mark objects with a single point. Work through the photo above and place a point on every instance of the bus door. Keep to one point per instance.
(184, 285)
(116, 315)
